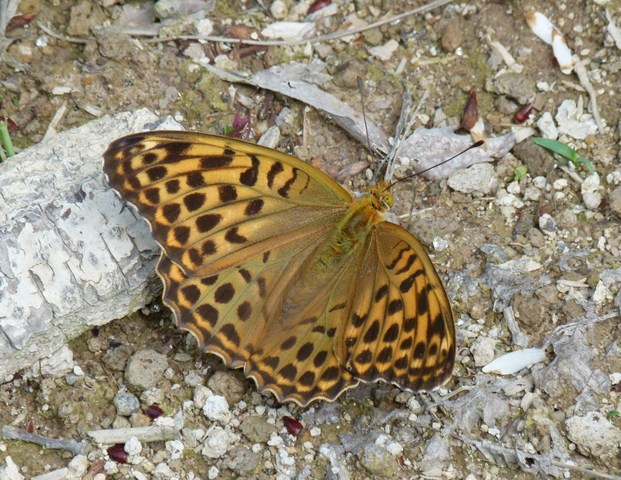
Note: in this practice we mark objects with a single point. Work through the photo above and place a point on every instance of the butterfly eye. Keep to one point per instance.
(388, 200)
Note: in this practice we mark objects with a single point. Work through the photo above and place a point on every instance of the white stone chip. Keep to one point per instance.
(218, 442)
(217, 408)
(175, 448)
(133, 446)
(386, 51)
(547, 127)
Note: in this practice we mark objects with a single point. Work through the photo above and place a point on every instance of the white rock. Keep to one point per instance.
(600, 293)
(515, 361)
(590, 191)
(505, 199)
(10, 471)
(201, 394)
(439, 245)
(483, 350)
(61, 90)
(547, 127)
(414, 405)
(162, 470)
(385, 52)
(111, 467)
(547, 224)
(514, 188)
(193, 379)
(540, 182)
(289, 30)
(573, 121)
(594, 435)
(204, 27)
(532, 193)
(58, 363)
(615, 378)
(217, 408)
(275, 440)
(175, 448)
(279, 9)
(218, 442)
(520, 265)
(479, 179)
(78, 465)
(213, 472)
(138, 475)
(133, 446)
(315, 432)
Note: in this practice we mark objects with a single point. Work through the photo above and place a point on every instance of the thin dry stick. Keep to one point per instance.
(58, 36)
(583, 321)
(284, 43)
(583, 76)
(73, 446)
(512, 452)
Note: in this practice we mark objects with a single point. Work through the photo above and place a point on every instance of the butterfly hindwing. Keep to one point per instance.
(399, 326)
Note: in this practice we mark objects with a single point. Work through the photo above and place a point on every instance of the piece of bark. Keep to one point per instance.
(71, 257)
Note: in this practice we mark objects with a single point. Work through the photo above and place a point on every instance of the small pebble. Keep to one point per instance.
(217, 408)
(175, 448)
(133, 446)
(145, 368)
(126, 403)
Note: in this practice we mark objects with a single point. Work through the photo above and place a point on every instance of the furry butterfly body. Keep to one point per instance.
(275, 268)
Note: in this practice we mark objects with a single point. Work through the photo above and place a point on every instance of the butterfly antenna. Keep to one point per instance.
(471, 147)
(364, 115)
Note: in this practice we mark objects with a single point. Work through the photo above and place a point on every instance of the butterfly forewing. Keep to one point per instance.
(275, 268)
(214, 202)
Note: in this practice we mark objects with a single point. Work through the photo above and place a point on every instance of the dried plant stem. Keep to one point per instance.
(73, 446)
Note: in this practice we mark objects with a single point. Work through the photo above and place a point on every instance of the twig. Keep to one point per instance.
(73, 446)
(58, 36)
(273, 43)
(153, 433)
(58, 116)
(583, 76)
(583, 321)
(515, 454)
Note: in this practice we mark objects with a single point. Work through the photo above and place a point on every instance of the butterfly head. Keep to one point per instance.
(381, 195)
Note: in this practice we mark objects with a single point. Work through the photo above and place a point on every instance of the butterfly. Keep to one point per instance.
(277, 269)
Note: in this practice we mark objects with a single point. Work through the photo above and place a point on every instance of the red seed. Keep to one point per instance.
(153, 411)
(318, 5)
(292, 425)
(118, 453)
(19, 21)
(471, 113)
(523, 113)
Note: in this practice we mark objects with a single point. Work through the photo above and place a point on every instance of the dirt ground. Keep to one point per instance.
(542, 247)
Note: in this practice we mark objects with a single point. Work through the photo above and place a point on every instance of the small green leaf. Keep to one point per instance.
(612, 413)
(564, 151)
(6, 145)
(228, 130)
(519, 173)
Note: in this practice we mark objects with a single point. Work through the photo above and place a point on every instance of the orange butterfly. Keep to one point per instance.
(275, 268)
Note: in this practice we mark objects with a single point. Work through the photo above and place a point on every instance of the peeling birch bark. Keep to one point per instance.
(71, 257)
